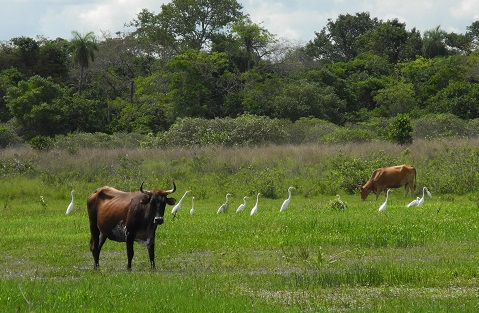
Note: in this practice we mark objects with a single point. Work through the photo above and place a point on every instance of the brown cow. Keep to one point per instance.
(390, 177)
(126, 217)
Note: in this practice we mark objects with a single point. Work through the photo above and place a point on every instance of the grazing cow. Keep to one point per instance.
(126, 217)
(390, 177)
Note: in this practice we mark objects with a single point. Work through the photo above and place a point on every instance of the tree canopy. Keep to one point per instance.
(208, 59)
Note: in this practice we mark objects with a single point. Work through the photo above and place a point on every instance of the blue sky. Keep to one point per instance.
(295, 20)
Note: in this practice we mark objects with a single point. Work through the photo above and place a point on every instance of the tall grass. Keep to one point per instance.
(311, 257)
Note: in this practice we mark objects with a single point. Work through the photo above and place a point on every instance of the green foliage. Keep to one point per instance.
(194, 76)
(37, 105)
(437, 126)
(388, 39)
(12, 167)
(244, 130)
(400, 130)
(434, 43)
(302, 98)
(254, 39)
(454, 171)
(458, 98)
(74, 142)
(83, 48)
(41, 143)
(8, 137)
(307, 130)
(337, 41)
(344, 135)
(208, 60)
(45, 108)
(397, 98)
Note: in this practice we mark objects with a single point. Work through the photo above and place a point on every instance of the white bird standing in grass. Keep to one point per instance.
(224, 206)
(72, 204)
(285, 204)
(177, 207)
(242, 205)
(421, 201)
(414, 202)
(192, 211)
(254, 210)
(383, 206)
(341, 204)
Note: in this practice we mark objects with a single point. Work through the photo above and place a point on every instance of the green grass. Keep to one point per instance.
(308, 258)
(313, 257)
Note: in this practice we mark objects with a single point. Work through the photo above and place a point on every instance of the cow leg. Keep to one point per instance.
(94, 245)
(151, 252)
(129, 249)
(102, 241)
(96, 242)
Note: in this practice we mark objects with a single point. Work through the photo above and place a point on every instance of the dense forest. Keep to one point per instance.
(207, 61)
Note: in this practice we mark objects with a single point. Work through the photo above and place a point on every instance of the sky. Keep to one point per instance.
(294, 20)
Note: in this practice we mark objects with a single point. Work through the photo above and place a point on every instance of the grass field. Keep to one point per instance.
(311, 257)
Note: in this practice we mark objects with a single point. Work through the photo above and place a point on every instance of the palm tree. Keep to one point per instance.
(434, 43)
(83, 48)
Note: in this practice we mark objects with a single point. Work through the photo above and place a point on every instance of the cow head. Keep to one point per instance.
(157, 201)
(364, 192)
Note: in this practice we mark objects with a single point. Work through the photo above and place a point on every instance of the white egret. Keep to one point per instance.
(177, 207)
(224, 206)
(421, 201)
(383, 206)
(340, 202)
(72, 204)
(242, 205)
(192, 211)
(414, 202)
(254, 210)
(285, 204)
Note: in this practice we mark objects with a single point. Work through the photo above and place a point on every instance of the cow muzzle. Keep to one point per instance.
(158, 220)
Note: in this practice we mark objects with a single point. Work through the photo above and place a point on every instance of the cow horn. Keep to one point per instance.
(146, 192)
(171, 190)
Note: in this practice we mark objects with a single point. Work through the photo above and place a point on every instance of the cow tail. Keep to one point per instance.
(414, 184)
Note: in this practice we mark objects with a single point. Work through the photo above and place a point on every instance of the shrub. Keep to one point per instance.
(41, 143)
(400, 130)
(435, 126)
(8, 137)
(309, 129)
(244, 130)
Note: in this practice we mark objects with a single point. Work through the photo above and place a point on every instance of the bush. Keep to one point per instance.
(310, 130)
(244, 130)
(434, 126)
(41, 143)
(400, 130)
(8, 137)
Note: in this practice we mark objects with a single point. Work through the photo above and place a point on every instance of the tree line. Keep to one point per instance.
(208, 59)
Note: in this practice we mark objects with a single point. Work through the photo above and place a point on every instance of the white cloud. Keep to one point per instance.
(293, 19)
(466, 10)
(58, 18)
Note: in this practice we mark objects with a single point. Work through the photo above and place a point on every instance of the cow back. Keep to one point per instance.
(110, 207)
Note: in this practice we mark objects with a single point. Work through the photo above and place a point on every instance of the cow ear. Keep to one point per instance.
(145, 199)
(170, 201)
